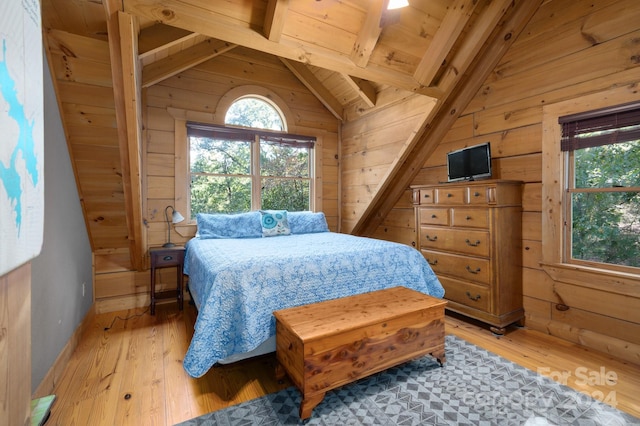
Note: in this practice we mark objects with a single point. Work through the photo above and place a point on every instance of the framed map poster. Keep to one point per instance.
(21, 133)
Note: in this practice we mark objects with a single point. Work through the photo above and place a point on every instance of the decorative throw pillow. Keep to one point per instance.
(274, 223)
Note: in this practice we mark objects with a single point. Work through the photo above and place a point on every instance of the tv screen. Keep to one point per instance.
(469, 163)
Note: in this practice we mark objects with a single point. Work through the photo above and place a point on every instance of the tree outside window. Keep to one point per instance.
(602, 199)
(252, 165)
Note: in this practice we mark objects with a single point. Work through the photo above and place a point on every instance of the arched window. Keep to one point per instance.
(256, 112)
(250, 163)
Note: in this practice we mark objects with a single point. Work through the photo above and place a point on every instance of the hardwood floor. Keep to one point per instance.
(127, 370)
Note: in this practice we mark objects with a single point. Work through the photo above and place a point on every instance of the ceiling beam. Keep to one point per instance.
(363, 88)
(411, 160)
(450, 29)
(159, 37)
(205, 21)
(123, 49)
(181, 61)
(315, 86)
(472, 43)
(274, 19)
(368, 34)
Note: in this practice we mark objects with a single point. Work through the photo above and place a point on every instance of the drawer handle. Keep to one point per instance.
(475, 299)
(476, 244)
(449, 195)
(431, 239)
(476, 271)
(167, 258)
(476, 194)
(426, 195)
(435, 262)
(468, 217)
(433, 216)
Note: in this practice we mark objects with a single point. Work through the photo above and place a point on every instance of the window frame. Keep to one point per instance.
(255, 137)
(181, 116)
(554, 175)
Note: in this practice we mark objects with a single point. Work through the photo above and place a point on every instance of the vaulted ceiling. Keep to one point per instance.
(103, 53)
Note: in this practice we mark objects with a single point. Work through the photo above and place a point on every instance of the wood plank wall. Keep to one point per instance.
(15, 346)
(370, 142)
(569, 49)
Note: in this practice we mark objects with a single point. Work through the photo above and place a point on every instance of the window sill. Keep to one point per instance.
(595, 278)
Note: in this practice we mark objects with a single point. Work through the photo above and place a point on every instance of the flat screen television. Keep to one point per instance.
(470, 163)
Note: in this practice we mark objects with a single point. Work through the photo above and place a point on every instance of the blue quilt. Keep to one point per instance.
(236, 284)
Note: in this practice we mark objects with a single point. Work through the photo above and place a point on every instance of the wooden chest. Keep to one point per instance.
(326, 345)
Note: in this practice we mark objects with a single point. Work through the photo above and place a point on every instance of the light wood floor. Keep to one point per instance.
(127, 370)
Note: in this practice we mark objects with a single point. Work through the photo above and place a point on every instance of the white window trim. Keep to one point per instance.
(554, 170)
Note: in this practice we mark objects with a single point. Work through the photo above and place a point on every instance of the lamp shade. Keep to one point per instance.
(176, 217)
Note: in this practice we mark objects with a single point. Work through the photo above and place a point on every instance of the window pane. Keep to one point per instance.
(606, 227)
(254, 112)
(608, 166)
(220, 156)
(289, 194)
(220, 194)
(282, 160)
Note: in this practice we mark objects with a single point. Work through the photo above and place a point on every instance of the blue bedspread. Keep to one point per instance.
(236, 284)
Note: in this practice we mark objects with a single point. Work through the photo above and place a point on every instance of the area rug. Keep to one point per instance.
(475, 387)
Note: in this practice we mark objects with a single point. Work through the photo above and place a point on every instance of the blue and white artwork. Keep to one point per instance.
(21, 133)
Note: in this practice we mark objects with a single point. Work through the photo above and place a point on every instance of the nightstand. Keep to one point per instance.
(166, 258)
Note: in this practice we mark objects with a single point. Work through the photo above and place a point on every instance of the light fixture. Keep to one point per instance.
(397, 4)
(176, 217)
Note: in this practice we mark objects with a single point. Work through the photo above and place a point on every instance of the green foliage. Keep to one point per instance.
(254, 112)
(606, 225)
(221, 175)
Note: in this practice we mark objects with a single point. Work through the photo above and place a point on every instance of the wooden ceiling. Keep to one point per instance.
(346, 52)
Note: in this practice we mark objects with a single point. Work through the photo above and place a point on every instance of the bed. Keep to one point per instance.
(243, 267)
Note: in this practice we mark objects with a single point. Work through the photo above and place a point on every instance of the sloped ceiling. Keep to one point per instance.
(345, 51)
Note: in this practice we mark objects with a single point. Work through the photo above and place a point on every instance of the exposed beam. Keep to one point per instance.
(408, 164)
(450, 29)
(472, 43)
(123, 36)
(181, 61)
(274, 19)
(315, 86)
(204, 20)
(368, 34)
(365, 90)
(160, 37)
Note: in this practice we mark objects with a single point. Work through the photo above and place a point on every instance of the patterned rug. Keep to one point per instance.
(475, 387)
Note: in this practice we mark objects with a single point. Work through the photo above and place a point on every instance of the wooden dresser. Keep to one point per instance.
(471, 235)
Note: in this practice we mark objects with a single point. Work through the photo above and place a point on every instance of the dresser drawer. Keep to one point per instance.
(454, 195)
(477, 195)
(463, 241)
(426, 196)
(434, 216)
(470, 218)
(469, 294)
(465, 267)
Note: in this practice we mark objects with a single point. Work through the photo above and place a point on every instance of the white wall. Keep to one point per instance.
(58, 274)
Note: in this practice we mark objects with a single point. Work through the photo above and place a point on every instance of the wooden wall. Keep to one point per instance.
(570, 49)
(370, 143)
(196, 93)
(15, 346)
